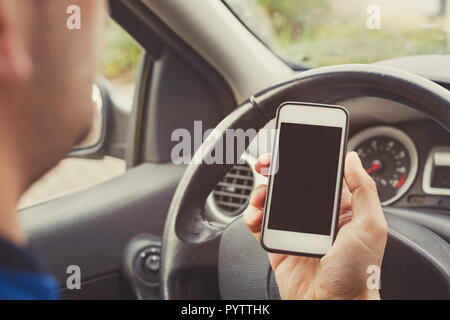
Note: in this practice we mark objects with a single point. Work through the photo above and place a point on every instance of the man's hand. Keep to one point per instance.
(360, 242)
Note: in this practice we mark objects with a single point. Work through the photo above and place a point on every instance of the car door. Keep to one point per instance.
(82, 236)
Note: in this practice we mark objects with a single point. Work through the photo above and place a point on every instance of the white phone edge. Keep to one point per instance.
(306, 243)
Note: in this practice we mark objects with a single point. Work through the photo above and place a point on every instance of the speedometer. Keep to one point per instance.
(390, 157)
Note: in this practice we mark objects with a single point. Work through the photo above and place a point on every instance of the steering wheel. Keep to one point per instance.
(203, 260)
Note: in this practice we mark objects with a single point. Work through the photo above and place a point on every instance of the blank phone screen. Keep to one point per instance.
(304, 186)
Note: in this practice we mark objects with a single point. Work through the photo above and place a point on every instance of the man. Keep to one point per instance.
(46, 75)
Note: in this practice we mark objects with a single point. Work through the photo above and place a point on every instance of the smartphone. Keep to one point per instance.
(305, 179)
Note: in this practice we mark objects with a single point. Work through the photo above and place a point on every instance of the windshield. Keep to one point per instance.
(315, 33)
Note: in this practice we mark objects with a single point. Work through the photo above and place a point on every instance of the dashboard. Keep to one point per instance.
(407, 154)
(410, 163)
(390, 157)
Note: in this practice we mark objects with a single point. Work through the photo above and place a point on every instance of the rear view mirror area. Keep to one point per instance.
(96, 136)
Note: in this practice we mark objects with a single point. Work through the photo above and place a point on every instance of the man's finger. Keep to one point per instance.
(345, 212)
(346, 199)
(254, 212)
(253, 219)
(262, 164)
(258, 196)
(365, 202)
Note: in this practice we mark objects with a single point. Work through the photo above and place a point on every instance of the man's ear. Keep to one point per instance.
(15, 56)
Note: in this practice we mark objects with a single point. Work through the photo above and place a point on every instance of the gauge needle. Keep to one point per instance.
(374, 167)
(401, 181)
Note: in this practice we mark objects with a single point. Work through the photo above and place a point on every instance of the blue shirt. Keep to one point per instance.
(22, 276)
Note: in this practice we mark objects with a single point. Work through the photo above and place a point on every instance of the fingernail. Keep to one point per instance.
(256, 192)
(265, 159)
(261, 188)
(356, 158)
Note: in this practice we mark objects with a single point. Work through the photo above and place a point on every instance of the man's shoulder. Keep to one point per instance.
(23, 276)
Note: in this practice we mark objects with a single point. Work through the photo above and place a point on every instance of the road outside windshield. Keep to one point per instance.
(316, 33)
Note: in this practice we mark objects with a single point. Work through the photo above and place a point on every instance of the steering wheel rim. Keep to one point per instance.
(191, 244)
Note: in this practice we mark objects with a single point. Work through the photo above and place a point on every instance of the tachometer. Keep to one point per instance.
(390, 157)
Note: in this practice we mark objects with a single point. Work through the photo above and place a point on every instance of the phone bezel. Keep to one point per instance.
(296, 243)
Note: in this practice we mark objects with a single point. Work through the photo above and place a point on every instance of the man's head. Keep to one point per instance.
(46, 77)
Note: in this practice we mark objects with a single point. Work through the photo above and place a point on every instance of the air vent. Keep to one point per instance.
(232, 193)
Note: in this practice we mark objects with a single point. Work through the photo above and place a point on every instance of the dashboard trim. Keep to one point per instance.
(428, 170)
(214, 213)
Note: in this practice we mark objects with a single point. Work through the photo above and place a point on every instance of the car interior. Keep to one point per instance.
(168, 231)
